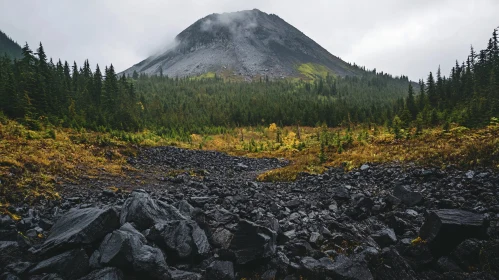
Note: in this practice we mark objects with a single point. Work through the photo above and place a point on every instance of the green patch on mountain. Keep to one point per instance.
(313, 71)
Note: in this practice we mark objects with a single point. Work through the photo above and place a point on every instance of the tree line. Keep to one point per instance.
(34, 90)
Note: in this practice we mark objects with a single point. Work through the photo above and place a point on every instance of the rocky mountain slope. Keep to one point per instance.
(202, 215)
(247, 44)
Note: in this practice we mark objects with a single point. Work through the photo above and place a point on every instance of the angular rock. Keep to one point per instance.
(80, 227)
(9, 276)
(125, 248)
(385, 237)
(184, 275)
(70, 265)
(9, 253)
(108, 273)
(221, 238)
(341, 268)
(251, 242)
(389, 265)
(221, 270)
(182, 238)
(445, 229)
(8, 235)
(445, 264)
(151, 262)
(145, 212)
(467, 254)
(186, 209)
(346, 268)
(200, 201)
(407, 196)
(341, 192)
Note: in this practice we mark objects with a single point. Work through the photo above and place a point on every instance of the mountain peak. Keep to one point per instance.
(248, 43)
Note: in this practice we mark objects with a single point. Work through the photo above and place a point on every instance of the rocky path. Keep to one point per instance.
(202, 215)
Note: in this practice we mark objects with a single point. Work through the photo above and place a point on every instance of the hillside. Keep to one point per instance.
(248, 44)
(9, 47)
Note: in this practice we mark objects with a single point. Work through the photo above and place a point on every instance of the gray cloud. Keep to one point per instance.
(395, 36)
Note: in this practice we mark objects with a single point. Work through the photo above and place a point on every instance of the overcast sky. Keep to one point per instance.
(396, 36)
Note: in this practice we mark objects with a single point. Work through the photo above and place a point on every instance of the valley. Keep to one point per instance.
(246, 150)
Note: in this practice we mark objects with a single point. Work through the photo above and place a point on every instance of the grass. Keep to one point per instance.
(34, 163)
(313, 70)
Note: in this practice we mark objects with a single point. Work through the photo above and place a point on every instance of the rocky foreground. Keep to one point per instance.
(214, 221)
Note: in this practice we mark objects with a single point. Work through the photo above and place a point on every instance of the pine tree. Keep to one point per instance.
(411, 103)
(431, 91)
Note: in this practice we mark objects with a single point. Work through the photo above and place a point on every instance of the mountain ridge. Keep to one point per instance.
(8, 46)
(247, 43)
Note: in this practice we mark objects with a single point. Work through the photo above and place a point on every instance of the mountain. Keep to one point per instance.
(249, 44)
(9, 47)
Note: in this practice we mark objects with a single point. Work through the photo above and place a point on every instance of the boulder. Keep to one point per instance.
(184, 275)
(181, 238)
(200, 201)
(341, 268)
(69, 265)
(80, 227)
(445, 229)
(407, 196)
(221, 238)
(9, 276)
(144, 212)
(389, 265)
(125, 248)
(341, 192)
(385, 237)
(9, 253)
(251, 242)
(346, 268)
(220, 270)
(445, 264)
(467, 254)
(108, 273)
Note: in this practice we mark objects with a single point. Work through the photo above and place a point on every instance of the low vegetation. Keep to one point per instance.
(34, 162)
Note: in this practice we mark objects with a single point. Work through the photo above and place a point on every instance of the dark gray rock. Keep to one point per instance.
(489, 258)
(407, 196)
(341, 192)
(445, 229)
(385, 237)
(200, 201)
(222, 270)
(181, 238)
(251, 242)
(80, 227)
(9, 276)
(389, 265)
(341, 268)
(145, 212)
(6, 222)
(69, 265)
(8, 235)
(186, 209)
(467, 254)
(184, 275)
(108, 273)
(445, 264)
(221, 238)
(9, 253)
(125, 248)
(346, 268)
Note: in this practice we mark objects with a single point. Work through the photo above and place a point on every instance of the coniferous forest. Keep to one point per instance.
(35, 89)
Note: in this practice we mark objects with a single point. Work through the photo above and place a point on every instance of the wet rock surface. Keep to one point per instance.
(213, 220)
